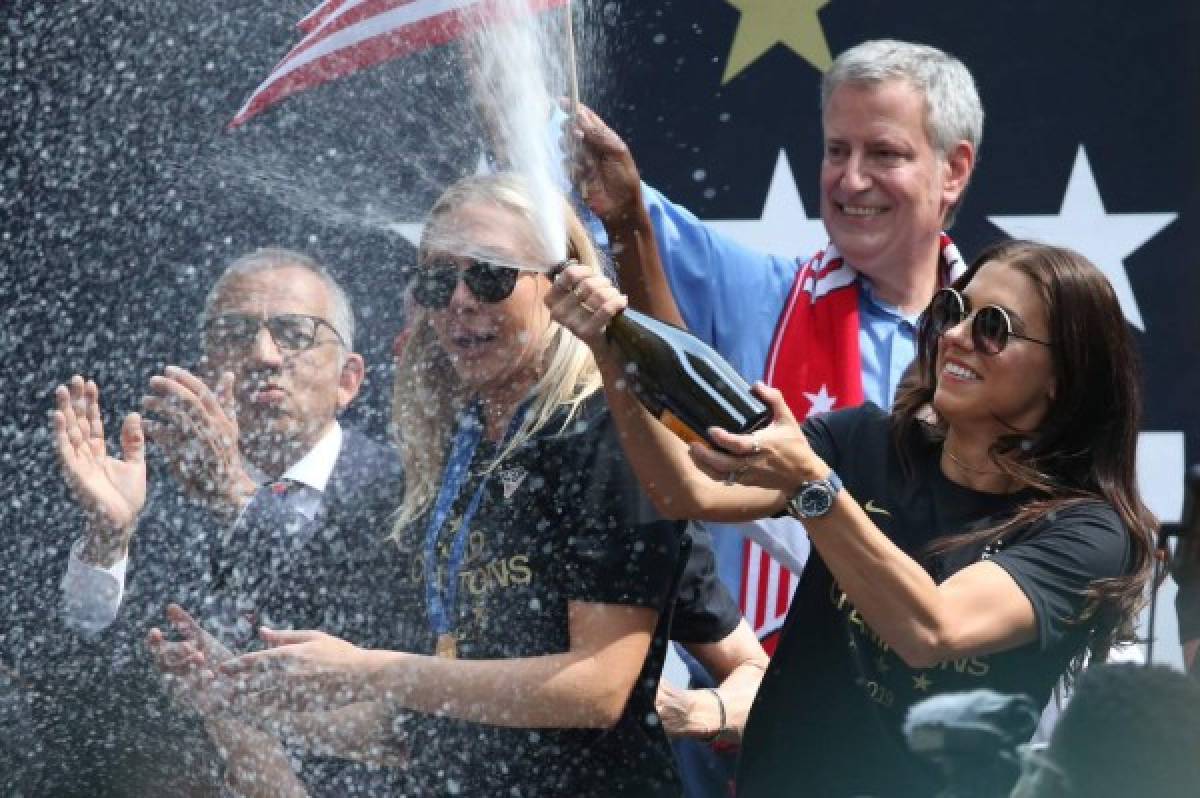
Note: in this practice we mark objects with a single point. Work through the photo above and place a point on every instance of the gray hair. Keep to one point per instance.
(271, 258)
(953, 111)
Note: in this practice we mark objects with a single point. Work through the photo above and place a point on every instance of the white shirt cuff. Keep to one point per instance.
(91, 594)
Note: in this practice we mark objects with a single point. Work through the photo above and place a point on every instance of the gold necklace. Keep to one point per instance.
(972, 469)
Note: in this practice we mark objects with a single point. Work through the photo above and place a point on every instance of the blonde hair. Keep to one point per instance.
(428, 396)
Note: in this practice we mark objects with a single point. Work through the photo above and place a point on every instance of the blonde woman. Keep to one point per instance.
(523, 539)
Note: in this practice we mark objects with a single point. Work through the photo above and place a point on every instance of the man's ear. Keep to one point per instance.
(959, 164)
(350, 379)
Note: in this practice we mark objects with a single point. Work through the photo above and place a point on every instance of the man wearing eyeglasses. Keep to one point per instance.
(287, 508)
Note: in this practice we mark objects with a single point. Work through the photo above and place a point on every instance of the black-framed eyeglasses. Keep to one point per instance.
(291, 332)
(435, 281)
(991, 326)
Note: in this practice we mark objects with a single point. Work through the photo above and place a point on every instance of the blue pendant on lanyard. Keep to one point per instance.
(441, 604)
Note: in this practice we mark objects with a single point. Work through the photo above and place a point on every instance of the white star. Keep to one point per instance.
(784, 227)
(820, 402)
(409, 231)
(1104, 238)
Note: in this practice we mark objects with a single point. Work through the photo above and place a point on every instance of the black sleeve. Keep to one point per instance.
(705, 612)
(615, 548)
(1060, 557)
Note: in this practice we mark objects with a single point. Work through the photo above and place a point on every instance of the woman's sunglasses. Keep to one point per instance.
(991, 326)
(435, 281)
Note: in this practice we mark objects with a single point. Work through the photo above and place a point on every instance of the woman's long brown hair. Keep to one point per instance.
(1085, 448)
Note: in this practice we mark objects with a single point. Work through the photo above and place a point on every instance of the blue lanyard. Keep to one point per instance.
(466, 440)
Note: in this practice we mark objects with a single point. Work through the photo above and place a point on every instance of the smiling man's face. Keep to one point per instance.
(885, 188)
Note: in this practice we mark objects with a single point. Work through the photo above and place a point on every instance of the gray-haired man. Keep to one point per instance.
(285, 503)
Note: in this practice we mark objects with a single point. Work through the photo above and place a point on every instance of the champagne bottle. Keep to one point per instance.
(681, 380)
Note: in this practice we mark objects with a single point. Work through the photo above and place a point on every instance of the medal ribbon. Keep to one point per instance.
(441, 603)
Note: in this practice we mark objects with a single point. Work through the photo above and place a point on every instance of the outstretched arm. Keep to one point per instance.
(670, 475)
(979, 610)
(251, 747)
(585, 687)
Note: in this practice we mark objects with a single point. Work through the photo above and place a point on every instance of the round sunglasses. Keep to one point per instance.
(991, 326)
(435, 281)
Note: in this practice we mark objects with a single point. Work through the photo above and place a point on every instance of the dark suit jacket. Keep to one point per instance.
(106, 726)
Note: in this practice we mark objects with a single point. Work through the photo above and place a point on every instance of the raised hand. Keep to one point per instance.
(777, 457)
(585, 303)
(197, 430)
(110, 490)
(603, 167)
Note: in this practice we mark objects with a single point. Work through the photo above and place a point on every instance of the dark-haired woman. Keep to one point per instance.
(988, 533)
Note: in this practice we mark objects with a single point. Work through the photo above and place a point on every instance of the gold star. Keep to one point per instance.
(765, 23)
(921, 683)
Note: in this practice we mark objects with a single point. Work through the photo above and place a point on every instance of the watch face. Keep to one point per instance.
(815, 500)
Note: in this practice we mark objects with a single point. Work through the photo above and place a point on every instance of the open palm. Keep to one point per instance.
(111, 490)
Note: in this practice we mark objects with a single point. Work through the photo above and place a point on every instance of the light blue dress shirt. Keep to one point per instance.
(732, 297)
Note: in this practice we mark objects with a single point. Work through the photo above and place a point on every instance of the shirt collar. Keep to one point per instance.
(314, 468)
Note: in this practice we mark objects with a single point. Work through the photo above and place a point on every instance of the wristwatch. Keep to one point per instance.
(814, 499)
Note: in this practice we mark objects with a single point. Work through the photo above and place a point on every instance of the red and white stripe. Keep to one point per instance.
(767, 589)
(344, 36)
(318, 15)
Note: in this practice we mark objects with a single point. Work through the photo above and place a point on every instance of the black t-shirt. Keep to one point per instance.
(705, 611)
(827, 719)
(561, 520)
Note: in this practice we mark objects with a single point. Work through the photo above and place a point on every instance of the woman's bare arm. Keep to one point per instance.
(585, 687)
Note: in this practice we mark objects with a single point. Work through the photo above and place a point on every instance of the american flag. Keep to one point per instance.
(767, 589)
(344, 36)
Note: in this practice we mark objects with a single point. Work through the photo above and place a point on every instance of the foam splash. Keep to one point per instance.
(517, 68)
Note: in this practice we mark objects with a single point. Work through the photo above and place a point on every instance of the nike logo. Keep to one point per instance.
(872, 507)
